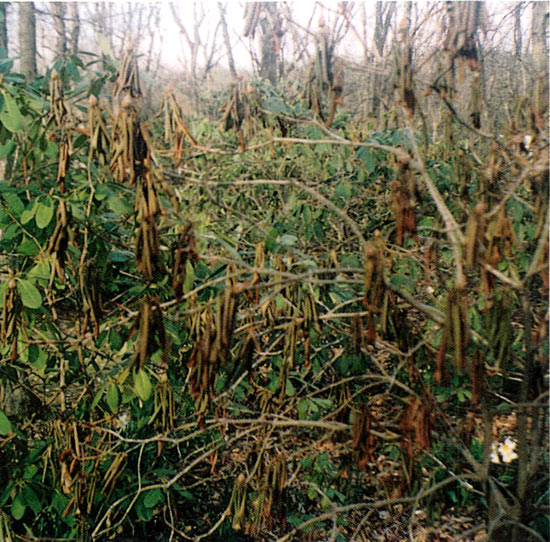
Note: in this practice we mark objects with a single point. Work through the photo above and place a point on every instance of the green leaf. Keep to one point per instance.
(18, 507)
(29, 472)
(28, 247)
(152, 498)
(6, 149)
(40, 273)
(115, 340)
(27, 215)
(5, 425)
(37, 358)
(143, 513)
(97, 397)
(44, 213)
(10, 116)
(30, 296)
(343, 190)
(142, 385)
(15, 205)
(119, 206)
(31, 499)
(189, 277)
(112, 397)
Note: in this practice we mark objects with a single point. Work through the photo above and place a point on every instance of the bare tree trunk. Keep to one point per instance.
(378, 82)
(58, 12)
(268, 43)
(27, 40)
(75, 30)
(227, 41)
(539, 27)
(517, 30)
(3, 32)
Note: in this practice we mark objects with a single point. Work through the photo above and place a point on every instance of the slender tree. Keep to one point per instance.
(27, 40)
(75, 29)
(3, 31)
(227, 42)
(58, 12)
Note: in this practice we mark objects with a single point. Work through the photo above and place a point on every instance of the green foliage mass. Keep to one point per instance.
(353, 367)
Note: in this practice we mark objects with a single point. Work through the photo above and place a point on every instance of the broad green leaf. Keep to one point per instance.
(28, 247)
(143, 513)
(343, 190)
(10, 116)
(112, 397)
(118, 205)
(15, 205)
(30, 296)
(31, 499)
(7, 148)
(27, 215)
(152, 498)
(40, 273)
(37, 358)
(97, 397)
(5, 425)
(44, 213)
(30, 471)
(142, 385)
(115, 340)
(189, 277)
(18, 507)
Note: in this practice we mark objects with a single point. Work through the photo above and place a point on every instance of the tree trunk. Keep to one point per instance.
(27, 40)
(539, 44)
(75, 30)
(3, 32)
(227, 41)
(517, 30)
(268, 42)
(378, 81)
(58, 12)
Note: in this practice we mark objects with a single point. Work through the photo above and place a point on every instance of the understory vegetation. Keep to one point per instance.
(268, 325)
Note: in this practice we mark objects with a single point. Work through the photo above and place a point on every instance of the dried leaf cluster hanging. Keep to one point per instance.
(237, 503)
(130, 151)
(416, 425)
(242, 111)
(90, 289)
(147, 207)
(269, 504)
(375, 289)
(176, 131)
(499, 332)
(456, 333)
(185, 253)
(100, 139)
(404, 193)
(59, 240)
(364, 441)
(474, 238)
(151, 334)
(60, 114)
(212, 348)
(11, 316)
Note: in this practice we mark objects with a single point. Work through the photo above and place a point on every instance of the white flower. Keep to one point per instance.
(122, 421)
(507, 450)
